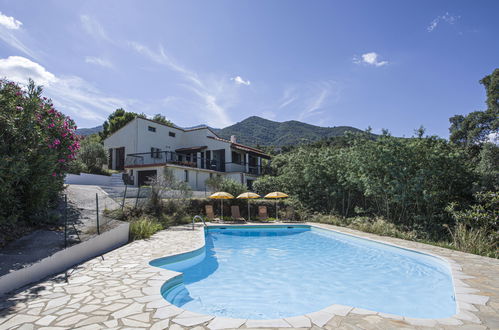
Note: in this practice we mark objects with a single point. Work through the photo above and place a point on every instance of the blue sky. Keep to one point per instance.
(384, 64)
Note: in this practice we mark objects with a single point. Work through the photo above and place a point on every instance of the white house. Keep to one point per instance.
(143, 148)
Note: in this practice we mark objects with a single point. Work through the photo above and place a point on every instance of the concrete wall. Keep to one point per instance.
(88, 179)
(64, 259)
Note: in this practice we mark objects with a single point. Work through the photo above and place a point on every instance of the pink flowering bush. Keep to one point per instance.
(36, 144)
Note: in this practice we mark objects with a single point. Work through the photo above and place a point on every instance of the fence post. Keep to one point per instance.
(124, 197)
(65, 221)
(137, 198)
(97, 211)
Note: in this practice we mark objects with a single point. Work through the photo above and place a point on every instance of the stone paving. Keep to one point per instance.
(121, 290)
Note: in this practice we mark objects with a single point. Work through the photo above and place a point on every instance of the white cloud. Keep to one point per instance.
(19, 69)
(69, 93)
(10, 28)
(238, 80)
(9, 22)
(99, 61)
(369, 59)
(214, 94)
(447, 18)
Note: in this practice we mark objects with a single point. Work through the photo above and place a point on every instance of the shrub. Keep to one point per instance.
(474, 240)
(36, 144)
(225, 184)
(144, 227)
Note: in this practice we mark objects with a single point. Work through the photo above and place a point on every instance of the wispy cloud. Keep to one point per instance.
(287, 98)
(70, 93)
(10, 31)
(371, 58)
(317, 96)
(211, 92)
(240, 81)
(94, 28)
(9, 22)
(447, 18)
(99, 61)
(315, 104)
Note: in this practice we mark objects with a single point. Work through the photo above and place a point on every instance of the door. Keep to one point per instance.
(144, 177)
(120, 159)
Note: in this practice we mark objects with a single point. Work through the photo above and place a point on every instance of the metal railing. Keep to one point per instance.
(169, 157)
(197, 217)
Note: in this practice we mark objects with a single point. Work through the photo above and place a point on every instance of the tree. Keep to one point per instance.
(117, 120)
(162, 119)
(92, 154)
(476, 127)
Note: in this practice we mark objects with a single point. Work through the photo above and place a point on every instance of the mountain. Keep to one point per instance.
(88, 131)
(259, 131)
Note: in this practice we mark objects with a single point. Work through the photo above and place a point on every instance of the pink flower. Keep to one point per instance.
(19, 93)
(57, 142)
(54, 174)
(51, 125)
(19, 108)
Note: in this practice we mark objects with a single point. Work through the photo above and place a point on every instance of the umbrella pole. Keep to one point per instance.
(276, 210)
(222, 209)
(249, 218)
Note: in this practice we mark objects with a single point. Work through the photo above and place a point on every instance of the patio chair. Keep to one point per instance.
(210, 214)
(262, 213)
(235, 214)
(290, 215)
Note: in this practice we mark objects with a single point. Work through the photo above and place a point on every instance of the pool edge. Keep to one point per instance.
(464, 301)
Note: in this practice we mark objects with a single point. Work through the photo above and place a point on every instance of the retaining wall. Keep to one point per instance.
(64, 259)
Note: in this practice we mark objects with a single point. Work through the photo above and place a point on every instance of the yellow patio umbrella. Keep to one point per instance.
(276, 195)
(221, 195)
(248, 196)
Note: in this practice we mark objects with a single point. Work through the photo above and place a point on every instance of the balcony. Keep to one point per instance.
(189, 160)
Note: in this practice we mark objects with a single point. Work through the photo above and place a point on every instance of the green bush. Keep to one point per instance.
(144, 227)
(225, 184)
(36, 144)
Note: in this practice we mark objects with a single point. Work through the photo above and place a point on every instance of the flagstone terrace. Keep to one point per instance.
(121, 290)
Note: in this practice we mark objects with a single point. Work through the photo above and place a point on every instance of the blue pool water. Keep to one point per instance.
(268, 273)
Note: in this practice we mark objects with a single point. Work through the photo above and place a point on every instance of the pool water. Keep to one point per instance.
(268, 273)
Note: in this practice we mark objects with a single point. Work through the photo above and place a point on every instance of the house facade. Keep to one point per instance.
(143, 148)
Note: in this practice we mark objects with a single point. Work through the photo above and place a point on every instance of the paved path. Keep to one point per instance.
(123, 291)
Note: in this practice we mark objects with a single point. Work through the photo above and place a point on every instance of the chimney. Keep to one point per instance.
(233, 139)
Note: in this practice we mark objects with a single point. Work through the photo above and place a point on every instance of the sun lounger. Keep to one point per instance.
(210, 214)
(236, 215)
(262, 213)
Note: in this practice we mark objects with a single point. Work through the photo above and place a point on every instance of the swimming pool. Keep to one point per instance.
(269, 272)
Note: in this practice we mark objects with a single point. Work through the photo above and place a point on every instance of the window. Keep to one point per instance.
(172, 134)
(186, 174)
(151, 129)
(155, 153)
(236, 157)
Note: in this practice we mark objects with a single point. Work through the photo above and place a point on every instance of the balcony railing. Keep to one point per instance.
(169, 157)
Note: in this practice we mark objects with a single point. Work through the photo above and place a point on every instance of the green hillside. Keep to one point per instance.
(259, 131)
